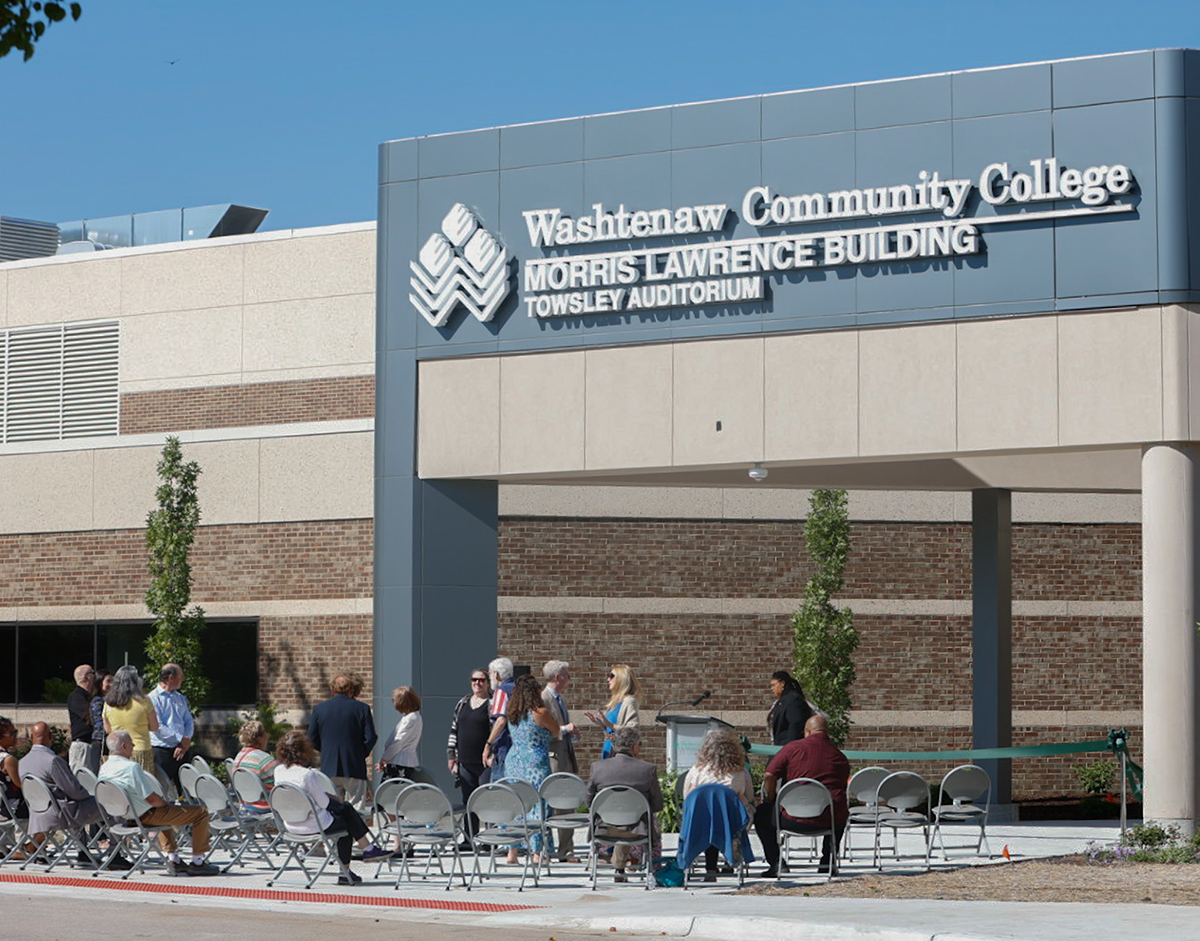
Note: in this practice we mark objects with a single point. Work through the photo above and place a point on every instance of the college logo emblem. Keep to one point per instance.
(462, 264)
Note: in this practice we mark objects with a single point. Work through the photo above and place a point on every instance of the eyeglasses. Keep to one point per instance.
(611, 676)
(479, 679)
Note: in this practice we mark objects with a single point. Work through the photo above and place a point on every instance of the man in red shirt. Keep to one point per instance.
(816, 757)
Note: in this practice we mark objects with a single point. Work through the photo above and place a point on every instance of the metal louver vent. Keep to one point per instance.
(60, 382)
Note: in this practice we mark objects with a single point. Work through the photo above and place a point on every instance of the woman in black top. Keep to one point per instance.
(790, 710)
(469, 730)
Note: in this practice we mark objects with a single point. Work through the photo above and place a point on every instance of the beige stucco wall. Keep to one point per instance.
(293, 304)
(991, 398)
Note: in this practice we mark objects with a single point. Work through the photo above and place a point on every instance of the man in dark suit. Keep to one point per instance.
(625, 769)
(343, 731)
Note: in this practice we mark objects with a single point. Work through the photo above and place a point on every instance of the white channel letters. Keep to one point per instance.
(464, 264)
(723, 271)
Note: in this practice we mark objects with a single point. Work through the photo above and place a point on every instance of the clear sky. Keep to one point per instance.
(156, 104)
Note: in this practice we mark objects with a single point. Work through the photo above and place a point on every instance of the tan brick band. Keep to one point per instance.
(262, 403)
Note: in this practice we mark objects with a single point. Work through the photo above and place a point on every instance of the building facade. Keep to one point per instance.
(517, 415)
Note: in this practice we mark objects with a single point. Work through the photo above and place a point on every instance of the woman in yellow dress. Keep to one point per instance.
(127, 707)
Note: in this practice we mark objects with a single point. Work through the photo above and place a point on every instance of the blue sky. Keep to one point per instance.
(282, 105)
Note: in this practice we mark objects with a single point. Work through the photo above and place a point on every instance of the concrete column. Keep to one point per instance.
(435, 540)
(1171, 706)
(991, 637)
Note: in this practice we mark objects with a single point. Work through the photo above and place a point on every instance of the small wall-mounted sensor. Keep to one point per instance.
(758, 473)
(718, 426)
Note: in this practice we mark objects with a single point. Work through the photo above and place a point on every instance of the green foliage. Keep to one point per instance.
(1150, 835)
(824, 634)
(24, 22)
(1095, 777)
(56, 689)
(265, 713)
(671, 815)
(60, 742)
(170, 532)
(1148, 842)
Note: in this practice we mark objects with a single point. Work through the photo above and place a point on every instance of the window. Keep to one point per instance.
(59, 382)
(38, 659)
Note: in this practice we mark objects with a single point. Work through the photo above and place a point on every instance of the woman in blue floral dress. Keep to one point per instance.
(532, 727)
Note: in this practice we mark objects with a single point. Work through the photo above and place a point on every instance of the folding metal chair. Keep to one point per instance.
(249, 791)
(87, 780)
(562, 795)
(863, 787)
(12, 835)
(900, 793)
(188, 773)
(959, 802)
(51, 850)
(806, 798)
(621, 808)
(723, 816)
(226, 820)
(126, 830)
(295, 806)
(533, 807)
(425, 818)
(502, 825)
(201, 765)
(384, 816)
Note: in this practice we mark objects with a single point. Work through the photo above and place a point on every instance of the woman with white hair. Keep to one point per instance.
(495, 750)
(127, 708)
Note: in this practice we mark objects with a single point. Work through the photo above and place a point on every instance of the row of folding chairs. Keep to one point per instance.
(511, 813)
(902, 800)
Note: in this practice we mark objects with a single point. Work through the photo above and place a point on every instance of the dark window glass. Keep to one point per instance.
(48, 655)
(230, 659)
(120, 643)
(8, 663)
(37, 661)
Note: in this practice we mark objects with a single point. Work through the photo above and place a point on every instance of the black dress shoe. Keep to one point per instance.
(769, 873)
(121, 864)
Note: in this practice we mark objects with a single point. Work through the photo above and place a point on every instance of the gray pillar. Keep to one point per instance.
(991, 636)
(435, 540)
(1170, 609)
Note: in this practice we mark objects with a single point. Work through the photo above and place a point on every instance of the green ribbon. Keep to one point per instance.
(1021, 751)
(1118, 744)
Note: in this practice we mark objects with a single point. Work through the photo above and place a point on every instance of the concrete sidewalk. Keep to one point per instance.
(564, 901)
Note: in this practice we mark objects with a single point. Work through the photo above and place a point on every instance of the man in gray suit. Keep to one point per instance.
(557, 674)
(625, 769)
(78, 807)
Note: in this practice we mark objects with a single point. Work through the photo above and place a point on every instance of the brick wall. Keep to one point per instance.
(909, 662)
(731, 559)
(266, 561)
(266, 403)
(298, 657)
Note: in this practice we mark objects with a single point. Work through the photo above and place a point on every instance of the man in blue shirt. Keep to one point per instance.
(175, 725)
(152, 810)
